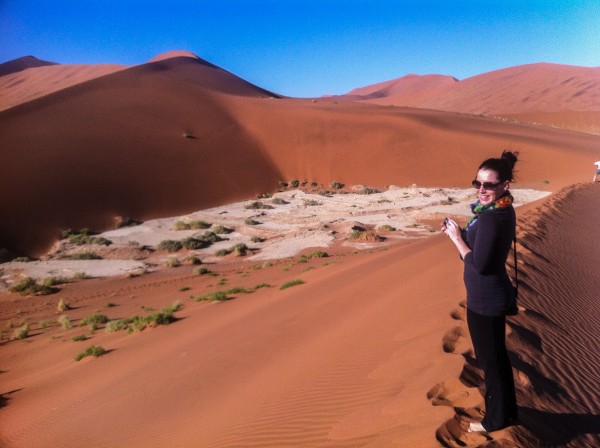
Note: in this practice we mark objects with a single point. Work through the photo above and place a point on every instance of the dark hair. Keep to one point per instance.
(503, 166)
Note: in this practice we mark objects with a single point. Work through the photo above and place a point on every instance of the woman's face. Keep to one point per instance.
(487, 196)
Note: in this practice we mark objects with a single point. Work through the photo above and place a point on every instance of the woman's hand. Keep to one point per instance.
(452, 229)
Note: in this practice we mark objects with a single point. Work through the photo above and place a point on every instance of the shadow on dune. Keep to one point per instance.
(559, 429)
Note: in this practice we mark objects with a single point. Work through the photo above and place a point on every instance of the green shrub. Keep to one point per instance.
(172, 262)
(251, 222)
(87, 255)
(21, 333)
(220, 230)
(170, 245)
(203, 271)
(65, 322)
(94, 319)
(294, 183)
(62, 306)
(240, 249)
(257, 239)
(79, 338)
(29, 286)
(387, 228)
(310, 202)
(217, 296)
(337, 185)
(139, 323)
(212, 237)
(291, 283)
(283, 184)
(92, 350)
(222, 252)
(195, 225)
(258, 205)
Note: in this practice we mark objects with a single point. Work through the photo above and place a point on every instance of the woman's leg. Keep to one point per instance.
(488, 335)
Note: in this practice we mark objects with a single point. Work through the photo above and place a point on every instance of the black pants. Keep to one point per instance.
(488, 334)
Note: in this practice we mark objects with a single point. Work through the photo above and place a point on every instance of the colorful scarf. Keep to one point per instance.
(478, 208)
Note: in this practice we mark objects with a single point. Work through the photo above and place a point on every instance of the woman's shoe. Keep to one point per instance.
(476, 427)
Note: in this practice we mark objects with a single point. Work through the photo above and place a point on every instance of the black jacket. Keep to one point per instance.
(489, 290)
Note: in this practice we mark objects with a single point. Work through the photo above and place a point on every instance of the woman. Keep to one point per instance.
(484, 245)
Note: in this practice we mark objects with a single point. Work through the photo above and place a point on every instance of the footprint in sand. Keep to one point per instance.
(456, 340)
(455, 394)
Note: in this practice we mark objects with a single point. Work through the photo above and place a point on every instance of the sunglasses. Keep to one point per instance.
(486, 185)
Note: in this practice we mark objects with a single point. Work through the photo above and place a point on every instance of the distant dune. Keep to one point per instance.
(180, 134)
(551, 91)
(20, 64)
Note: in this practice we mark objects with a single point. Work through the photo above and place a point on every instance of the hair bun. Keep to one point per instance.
(510, 158)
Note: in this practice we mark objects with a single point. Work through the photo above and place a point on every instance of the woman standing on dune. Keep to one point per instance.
(484, 245)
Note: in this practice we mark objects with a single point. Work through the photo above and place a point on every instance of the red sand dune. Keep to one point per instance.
(370, 351)
(20, 64)
(546, 90)
(115, 147)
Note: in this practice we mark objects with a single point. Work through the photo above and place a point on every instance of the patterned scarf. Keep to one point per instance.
(478, 208)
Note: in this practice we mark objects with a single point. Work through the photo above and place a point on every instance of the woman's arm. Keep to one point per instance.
(453, 230)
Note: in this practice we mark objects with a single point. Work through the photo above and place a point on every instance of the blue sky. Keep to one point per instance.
(310, 47)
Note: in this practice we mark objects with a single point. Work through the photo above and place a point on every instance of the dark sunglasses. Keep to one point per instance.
(486, 185)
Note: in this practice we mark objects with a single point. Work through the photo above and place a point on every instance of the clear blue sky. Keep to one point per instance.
(310, 47)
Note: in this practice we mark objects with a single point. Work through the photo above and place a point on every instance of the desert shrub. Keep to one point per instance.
(79, 338)
(125, 221)
(221, 230)
(46, 323)
(279, 201)
(62, 306)
(94, 319)
(110, 305)
(257, 239)
(217, 296)
(258, 205)
(81, 276)
(195, 260)
(192, 225)
(203, 271)
(251, 222)
(291, 283)
(65, 322)
(337, 185)
(21, 333)
(294, 183)
(364, 236)
(89, 239)
(283, 184)
(262, 285)
(87, 255)
(310, 202)
(222, 252)
(240, 249)
(211, 237)
(194, 243)
(387, 228)
(264, 195)
(368, 190)
(318, 254)
(92, 350)
(172, 262)
(29, 286)
(170, 245)
(139, 323)
(22, 260)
